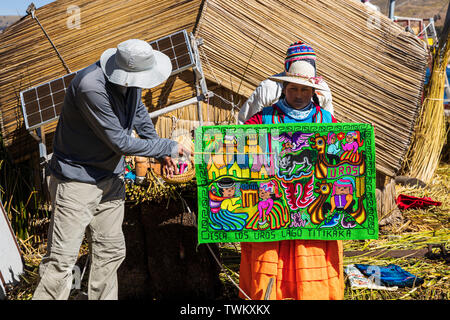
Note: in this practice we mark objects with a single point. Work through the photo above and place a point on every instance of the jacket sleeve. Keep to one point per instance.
(266, 94)
(143, 123)
(146, 130)
(97, 112)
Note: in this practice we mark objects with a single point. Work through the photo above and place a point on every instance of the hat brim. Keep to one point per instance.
(146, 79)
(283, 77)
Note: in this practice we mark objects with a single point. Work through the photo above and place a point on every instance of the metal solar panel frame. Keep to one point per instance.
(22, 100)
(189, 50)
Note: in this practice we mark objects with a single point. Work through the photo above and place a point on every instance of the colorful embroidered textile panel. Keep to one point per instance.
(261, 183)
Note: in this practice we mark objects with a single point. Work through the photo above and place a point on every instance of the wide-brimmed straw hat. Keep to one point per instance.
(301, 72)
(134, 63)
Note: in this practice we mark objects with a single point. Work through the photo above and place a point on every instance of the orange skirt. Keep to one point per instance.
(303, 269)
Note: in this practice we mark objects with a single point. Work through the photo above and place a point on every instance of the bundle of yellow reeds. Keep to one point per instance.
(430, 135)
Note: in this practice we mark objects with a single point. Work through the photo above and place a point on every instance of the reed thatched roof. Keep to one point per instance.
(374, 69)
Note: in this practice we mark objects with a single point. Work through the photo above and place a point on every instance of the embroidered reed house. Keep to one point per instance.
(249, 195)
(243, 159)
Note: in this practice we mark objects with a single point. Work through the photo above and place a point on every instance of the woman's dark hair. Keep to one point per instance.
(316, 99)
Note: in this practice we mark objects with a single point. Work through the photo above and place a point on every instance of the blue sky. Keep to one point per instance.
(18, 7)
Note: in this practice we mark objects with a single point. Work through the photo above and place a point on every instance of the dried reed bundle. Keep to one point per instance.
(430, 135)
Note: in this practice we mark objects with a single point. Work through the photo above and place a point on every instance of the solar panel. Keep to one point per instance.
(178, 48)
(42, 104)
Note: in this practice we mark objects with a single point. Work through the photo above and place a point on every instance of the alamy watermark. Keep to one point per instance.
(235, 144)
(74, 19)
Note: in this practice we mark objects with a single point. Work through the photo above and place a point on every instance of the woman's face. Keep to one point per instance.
(298, 96)
(342, 190)
(263, 194)
(333, 139)
(349, 138)
(228, 192)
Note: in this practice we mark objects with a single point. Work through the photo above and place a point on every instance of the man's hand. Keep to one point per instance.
(169, 167)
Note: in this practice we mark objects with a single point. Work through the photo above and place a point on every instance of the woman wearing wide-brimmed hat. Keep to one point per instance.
(302, 269)
(269, 91)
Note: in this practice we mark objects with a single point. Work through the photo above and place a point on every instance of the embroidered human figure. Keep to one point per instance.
(222, 213)
(334, 150)
(351, 147)
(342, 195)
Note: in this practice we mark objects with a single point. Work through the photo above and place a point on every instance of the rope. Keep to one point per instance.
(209, 66)
(33, 15)
(232, 111)
(248, 62)
(223, 99)
(233, 105)
(210, 250)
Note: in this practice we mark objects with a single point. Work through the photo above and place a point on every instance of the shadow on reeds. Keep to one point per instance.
(26, 208)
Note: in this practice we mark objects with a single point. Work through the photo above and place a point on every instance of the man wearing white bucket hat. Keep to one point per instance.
(101, 108)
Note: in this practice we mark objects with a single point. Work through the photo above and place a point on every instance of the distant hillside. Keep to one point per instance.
(416, 8)
(6, 21)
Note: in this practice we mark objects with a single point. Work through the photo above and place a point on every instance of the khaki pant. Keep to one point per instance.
(78, 208)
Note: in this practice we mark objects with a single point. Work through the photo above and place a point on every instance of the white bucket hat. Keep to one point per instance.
(134, 63)
(301, 72)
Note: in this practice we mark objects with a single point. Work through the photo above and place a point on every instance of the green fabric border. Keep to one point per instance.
(208, 235)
